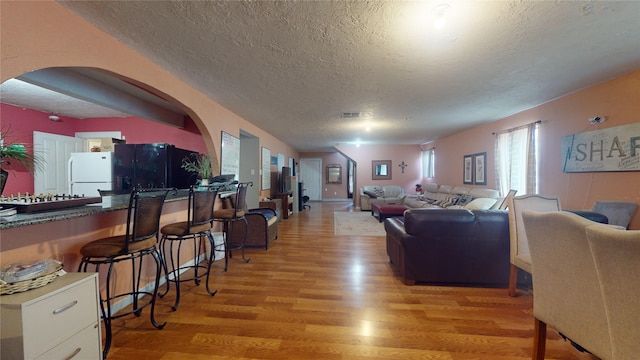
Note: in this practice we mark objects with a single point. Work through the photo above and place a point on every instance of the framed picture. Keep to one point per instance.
(381, 170)
(334, 174)
(480, 168)
(467, 171)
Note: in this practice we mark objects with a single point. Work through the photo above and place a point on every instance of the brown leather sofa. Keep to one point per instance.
(454, 247)
(457, 247)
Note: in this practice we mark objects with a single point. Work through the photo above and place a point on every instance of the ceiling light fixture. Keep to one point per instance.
(440, 15)
(54, 118)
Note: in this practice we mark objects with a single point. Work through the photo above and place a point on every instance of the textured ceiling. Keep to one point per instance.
(293, 68)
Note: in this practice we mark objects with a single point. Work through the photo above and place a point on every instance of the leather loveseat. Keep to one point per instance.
(457, 247)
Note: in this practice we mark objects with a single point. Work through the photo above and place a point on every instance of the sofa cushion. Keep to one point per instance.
(480, 204)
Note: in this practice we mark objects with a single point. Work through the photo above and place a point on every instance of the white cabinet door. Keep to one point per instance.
(56, 149)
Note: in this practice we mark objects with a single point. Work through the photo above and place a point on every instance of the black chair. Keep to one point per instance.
(140, 239)
(230, 215)
(195, 228)
(305, 200)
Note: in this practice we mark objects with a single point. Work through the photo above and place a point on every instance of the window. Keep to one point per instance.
(516, 164)
(428, 160)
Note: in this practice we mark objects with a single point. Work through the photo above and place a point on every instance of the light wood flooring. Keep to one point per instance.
(315, 295)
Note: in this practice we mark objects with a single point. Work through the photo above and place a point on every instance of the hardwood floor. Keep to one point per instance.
(315, 295)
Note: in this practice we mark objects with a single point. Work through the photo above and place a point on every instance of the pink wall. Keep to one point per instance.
(340, 190)
(365, 154)
(22, 122)
(617, 99)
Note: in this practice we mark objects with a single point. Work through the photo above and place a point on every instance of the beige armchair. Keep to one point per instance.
(617, 259)
(566, 290)
(519, 253)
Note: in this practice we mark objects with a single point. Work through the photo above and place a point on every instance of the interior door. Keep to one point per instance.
(53, 178)
(311, 177)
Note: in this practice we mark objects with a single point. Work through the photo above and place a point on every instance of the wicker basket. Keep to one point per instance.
(20, 286)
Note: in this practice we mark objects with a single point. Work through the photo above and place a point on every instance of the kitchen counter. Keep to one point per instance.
(108, 204)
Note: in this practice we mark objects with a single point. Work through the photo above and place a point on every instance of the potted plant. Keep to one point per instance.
(200, 164)
(11, 151)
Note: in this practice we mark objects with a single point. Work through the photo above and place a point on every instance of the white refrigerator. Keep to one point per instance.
(90, 171)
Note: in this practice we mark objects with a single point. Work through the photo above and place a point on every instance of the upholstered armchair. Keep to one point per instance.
(617, 259)
(519, 248)
(566, 289)
(262, 226)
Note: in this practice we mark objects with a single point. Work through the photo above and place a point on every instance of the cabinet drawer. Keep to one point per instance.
(82, 346)
(60, 316)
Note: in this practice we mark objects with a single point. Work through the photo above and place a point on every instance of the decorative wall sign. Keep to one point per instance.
(467, 170)
(611, 149)
(480, 168)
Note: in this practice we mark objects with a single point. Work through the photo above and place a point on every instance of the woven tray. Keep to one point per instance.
(42, 280)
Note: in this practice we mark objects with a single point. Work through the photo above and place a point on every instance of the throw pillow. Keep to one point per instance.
(378, 191)
(480, 204)
(463, 199)
(371, 194)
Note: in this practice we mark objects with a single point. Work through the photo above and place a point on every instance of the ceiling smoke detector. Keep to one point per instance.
(597, 120)
(350, 115)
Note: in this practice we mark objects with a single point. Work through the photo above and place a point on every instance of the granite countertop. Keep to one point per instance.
(109, 203)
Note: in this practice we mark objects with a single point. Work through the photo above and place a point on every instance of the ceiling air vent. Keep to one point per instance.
(350, 115)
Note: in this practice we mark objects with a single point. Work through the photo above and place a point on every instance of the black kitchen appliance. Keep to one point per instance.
(150, 166)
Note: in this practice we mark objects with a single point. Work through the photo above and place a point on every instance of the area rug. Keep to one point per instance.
(357, 223)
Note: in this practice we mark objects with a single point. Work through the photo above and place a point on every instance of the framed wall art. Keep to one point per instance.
(381, 170)
(467, 170)
(480, 168)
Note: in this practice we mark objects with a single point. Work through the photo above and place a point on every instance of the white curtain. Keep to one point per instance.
(428, 163)
(516, 167)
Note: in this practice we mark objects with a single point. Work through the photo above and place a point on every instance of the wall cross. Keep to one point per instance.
(403, 165)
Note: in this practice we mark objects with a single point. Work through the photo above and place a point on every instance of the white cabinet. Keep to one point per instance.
(60, 320)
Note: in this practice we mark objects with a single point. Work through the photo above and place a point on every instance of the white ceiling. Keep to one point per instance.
(292, 68)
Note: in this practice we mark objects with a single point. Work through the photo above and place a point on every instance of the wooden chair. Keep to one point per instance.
(519, 248)
(566, 290)
(231, 215)
(196, 228)
(140, 240)
(616, 254)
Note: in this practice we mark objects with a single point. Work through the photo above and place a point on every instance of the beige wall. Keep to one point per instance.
(37, 35)
(617, 99)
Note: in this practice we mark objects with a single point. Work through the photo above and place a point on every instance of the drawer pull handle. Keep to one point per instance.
(65, 308)
(74, 354)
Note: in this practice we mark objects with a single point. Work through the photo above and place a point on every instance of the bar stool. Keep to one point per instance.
(140, 239)
(228, 217)
(198, 226)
